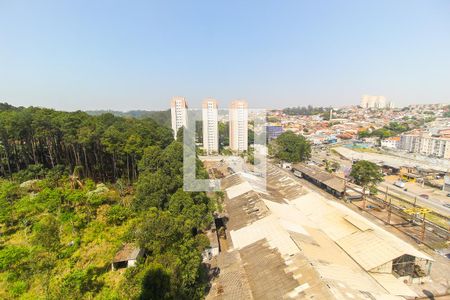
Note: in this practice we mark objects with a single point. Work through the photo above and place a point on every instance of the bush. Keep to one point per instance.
(32, 172)
(46, 232)
(79, 282)
(12, 257)
(117, 214)
(18, 288)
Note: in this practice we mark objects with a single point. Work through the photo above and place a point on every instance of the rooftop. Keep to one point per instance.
(312, 246)
(128, 252)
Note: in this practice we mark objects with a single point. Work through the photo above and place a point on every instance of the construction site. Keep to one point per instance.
(283, 239)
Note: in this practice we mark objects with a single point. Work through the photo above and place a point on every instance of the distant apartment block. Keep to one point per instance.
(368, 101)
(410, 142)
(238, 126)
(210, 126)
(391, 143)
(426, 145)
(178, 109)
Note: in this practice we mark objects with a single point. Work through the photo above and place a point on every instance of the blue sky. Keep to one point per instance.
(138, 54)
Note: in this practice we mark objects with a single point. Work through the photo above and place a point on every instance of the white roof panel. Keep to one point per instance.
(361, 225)
(238, 190)
(368, 249)
(268, 228)
(393, 285)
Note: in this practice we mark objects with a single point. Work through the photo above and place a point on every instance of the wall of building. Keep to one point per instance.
(210, 126)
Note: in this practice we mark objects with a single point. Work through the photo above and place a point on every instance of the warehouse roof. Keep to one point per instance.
(321, 244)
(330, 180)
(393, 285)
(237, 190)
(370, 250)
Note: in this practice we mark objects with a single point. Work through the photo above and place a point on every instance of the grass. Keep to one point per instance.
(366, 150)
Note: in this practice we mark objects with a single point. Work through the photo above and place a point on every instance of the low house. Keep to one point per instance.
(391, 143)
(127, 257)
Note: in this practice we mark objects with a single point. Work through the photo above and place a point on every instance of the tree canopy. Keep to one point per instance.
(290, 147)
(366, 173)
(105, 147)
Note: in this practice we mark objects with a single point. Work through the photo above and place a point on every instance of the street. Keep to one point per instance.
(431, 203)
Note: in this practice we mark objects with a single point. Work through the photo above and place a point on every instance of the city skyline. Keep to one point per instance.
(126, 57)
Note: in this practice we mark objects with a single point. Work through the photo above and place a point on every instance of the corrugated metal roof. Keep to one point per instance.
(351, 278)
(368, 249)
(361, 225)
(267, 228)
(238, 190)
(128, 252)
(318, 174)
(230, 180)
(286, 227)
(337, 184)
(393, 285)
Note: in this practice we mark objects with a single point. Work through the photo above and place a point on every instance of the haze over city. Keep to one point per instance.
(105, 55)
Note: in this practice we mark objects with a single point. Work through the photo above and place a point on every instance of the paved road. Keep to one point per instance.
(428, 203)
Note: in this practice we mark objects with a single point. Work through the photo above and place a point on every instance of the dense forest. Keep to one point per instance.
(102, 147)
(161, 117)
(75, 188)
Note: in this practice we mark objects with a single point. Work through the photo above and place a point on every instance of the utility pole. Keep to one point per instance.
(364, 198)
(423, 228)
(386, 194)
(423, 211)
(345, 190)
(389, 211)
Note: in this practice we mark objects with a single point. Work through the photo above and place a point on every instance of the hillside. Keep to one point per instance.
(62, 223)
(161, 117)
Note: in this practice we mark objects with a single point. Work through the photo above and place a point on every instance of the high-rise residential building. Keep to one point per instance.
(210, 126)
(178, 109)
(381, 102)
(238, 126)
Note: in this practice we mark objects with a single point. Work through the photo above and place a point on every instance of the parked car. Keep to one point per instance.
(424, 196)
(448, 195)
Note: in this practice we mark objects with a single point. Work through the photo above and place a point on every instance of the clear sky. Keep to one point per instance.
(127, 55)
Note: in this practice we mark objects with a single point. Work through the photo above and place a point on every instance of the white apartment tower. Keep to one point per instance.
(178, 109)
(238, 126)
(368, 101)
(210, 126)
